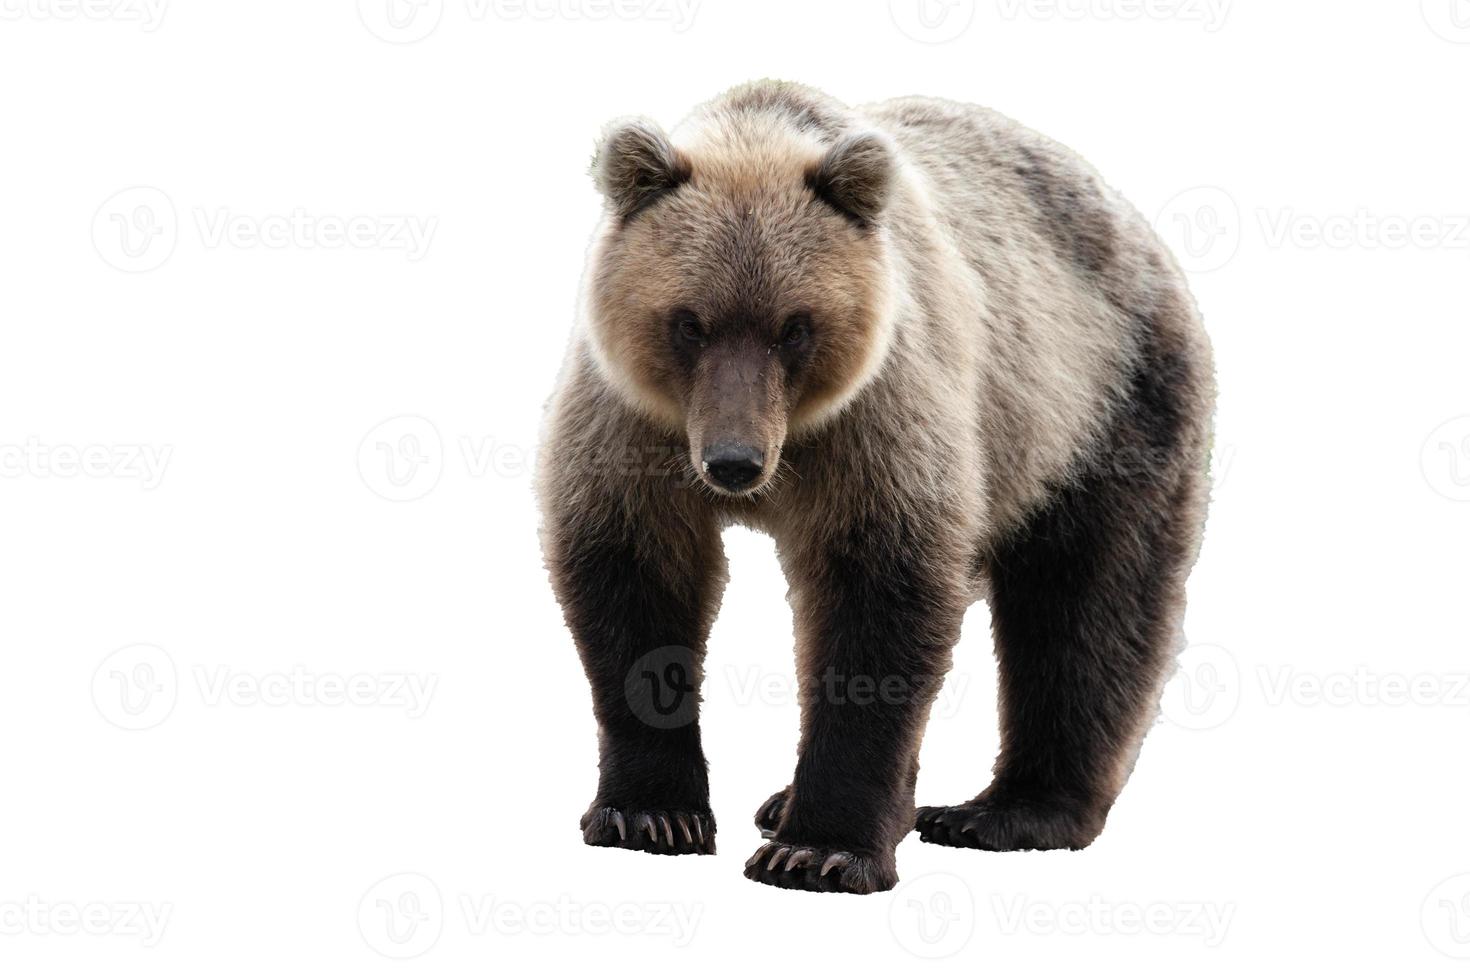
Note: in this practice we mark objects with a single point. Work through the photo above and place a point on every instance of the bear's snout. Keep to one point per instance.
(733, 467)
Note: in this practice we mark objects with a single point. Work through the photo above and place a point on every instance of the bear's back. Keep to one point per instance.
(1074, 282)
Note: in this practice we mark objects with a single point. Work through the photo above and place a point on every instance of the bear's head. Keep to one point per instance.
(741, 288)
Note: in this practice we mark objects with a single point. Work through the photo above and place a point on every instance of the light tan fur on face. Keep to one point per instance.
(743, 243)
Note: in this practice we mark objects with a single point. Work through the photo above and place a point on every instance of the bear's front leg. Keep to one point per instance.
(878, 611)
(639, 581)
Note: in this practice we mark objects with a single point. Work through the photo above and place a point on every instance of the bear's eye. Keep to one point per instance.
(797, 329)
(688, 328)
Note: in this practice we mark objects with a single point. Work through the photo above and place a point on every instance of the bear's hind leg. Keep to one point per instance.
(1087, 601)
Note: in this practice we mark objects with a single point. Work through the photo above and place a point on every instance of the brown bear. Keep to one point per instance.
(937, 359)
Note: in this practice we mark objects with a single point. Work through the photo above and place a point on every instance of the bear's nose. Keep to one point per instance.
(733, 466)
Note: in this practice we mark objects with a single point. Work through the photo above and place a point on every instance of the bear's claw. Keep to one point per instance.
(768, 816)
(653, 831)
(1004, 826)
(817, 869)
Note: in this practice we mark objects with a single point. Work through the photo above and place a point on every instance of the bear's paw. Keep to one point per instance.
(998, 825)
(819, 869)
(655, 831)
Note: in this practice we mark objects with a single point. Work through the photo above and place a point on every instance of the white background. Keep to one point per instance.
(205, 388)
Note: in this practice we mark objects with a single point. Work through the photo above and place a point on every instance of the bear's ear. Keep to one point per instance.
(635, 163)
(855, 176)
